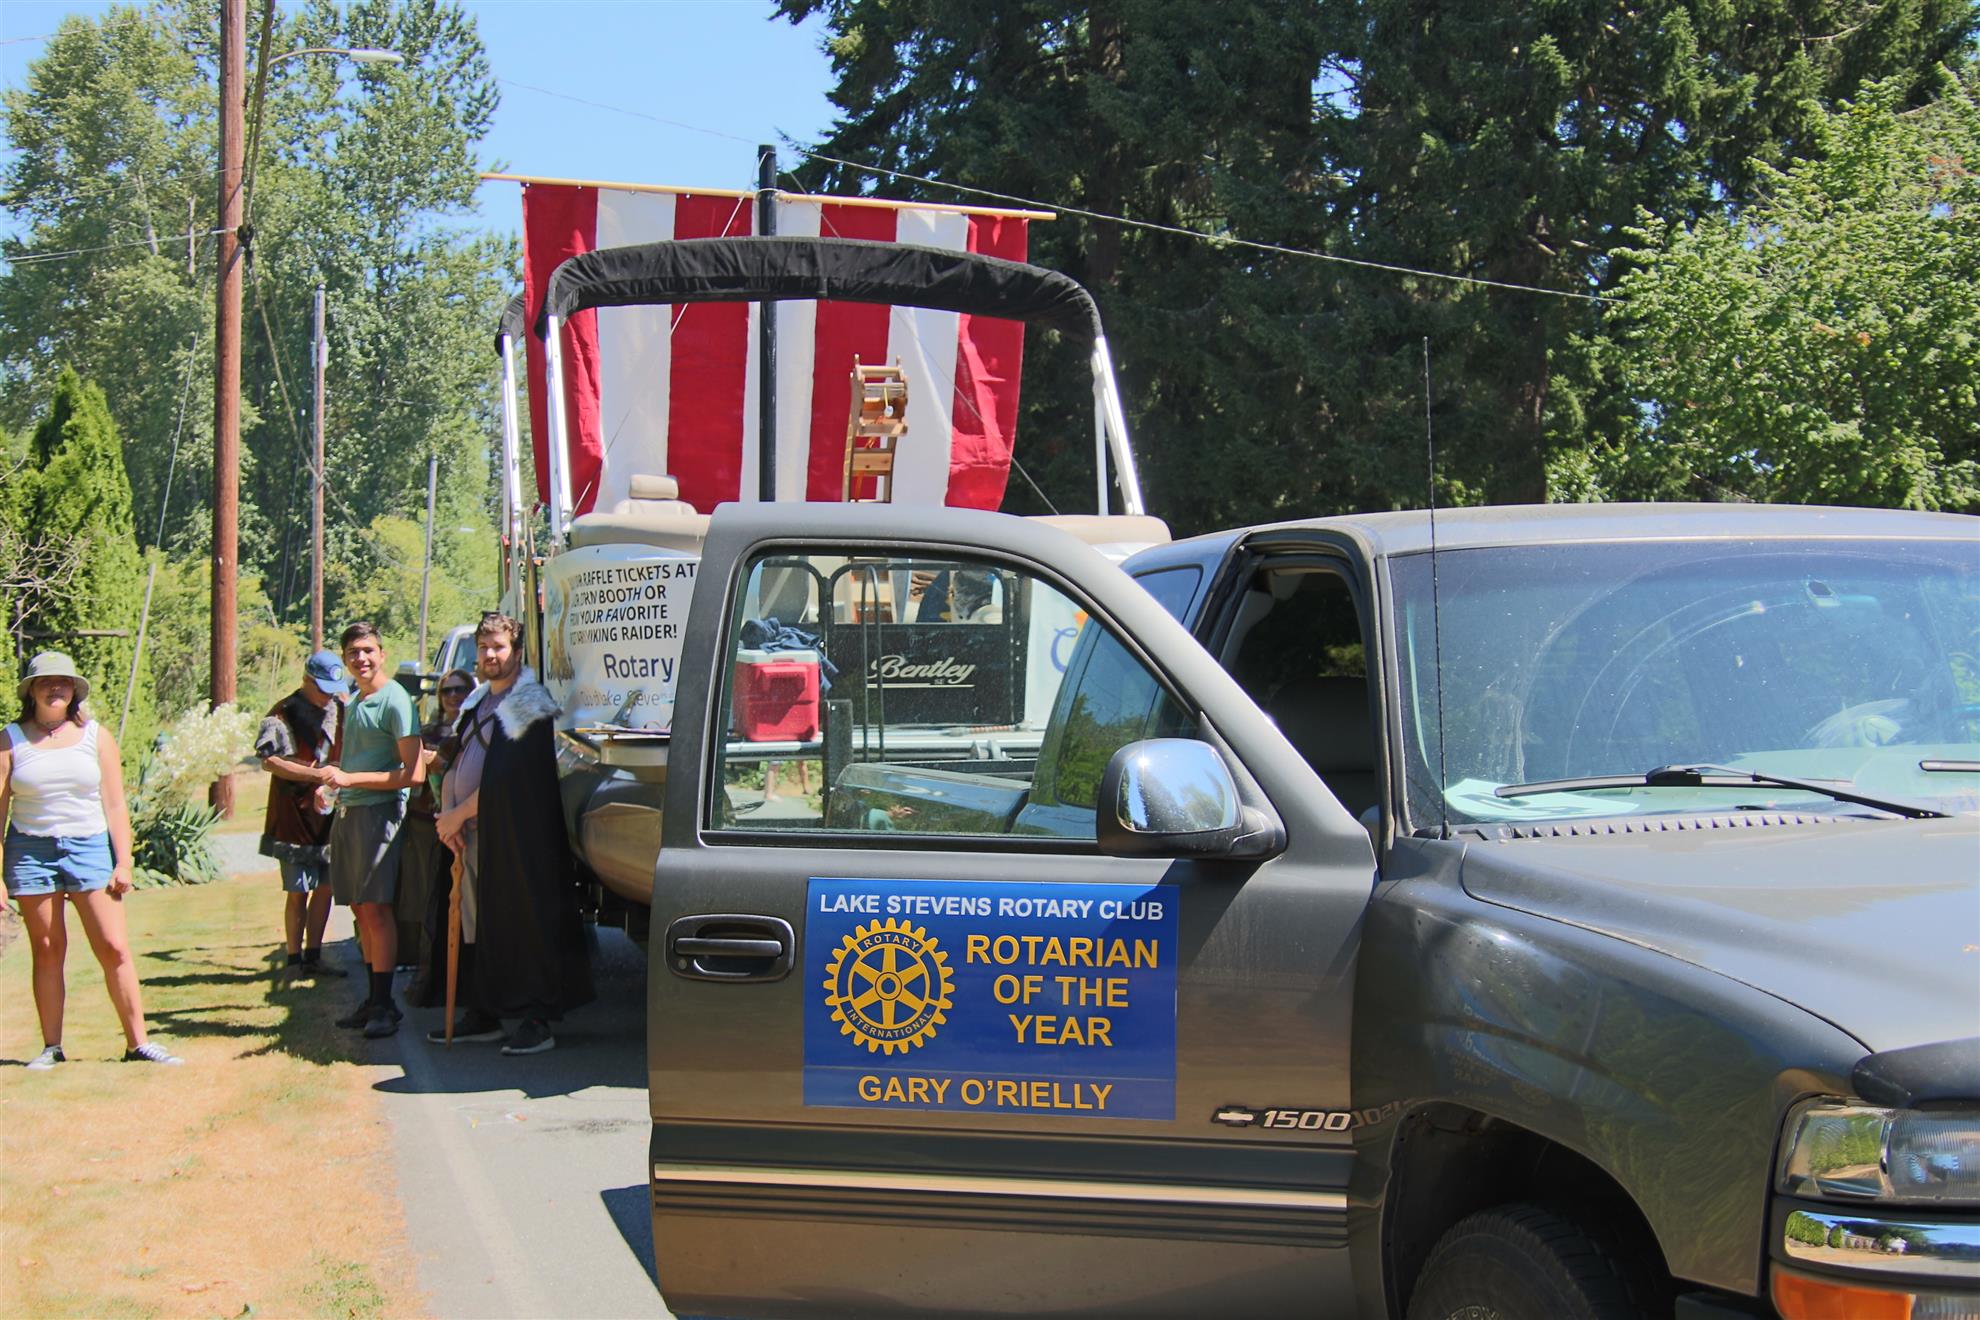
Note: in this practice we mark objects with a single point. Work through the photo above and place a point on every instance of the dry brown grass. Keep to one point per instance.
(254, 1181)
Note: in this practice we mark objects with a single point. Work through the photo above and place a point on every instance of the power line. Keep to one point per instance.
(619, 109)
(295, 429)
(33, 257)
(1219, 240)
(178, 429)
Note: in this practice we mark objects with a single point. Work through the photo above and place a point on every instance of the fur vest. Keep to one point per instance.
(522, 706)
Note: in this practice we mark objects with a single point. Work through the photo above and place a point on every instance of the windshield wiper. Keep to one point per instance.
(1716, 776)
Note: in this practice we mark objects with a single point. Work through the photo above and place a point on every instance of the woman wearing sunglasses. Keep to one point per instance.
(423, 876)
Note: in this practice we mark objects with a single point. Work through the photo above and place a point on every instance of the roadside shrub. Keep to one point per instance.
(175, 846)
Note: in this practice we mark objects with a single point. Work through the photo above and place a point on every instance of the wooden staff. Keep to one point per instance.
(453, 946)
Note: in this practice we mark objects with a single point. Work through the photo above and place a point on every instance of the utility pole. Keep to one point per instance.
(426, 573)
(322, 356)
(227, 370)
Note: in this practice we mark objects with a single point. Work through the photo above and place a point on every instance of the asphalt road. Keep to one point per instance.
(523, 1178)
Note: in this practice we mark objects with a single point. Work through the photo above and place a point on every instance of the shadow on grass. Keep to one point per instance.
(214, 990)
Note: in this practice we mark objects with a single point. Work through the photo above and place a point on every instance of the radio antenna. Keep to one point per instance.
(1436, 610)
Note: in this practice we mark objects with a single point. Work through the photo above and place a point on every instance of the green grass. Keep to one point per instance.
(344, 1290)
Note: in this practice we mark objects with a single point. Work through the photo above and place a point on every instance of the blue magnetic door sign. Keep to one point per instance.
(989, 997)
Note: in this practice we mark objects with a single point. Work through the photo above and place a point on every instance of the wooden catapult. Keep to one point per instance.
(873, 433)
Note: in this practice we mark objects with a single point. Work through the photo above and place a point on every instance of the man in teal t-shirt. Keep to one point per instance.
(380, 756)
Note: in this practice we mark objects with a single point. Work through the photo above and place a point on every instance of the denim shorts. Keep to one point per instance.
(57, 864)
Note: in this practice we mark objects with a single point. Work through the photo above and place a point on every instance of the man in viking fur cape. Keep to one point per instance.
(501, 813)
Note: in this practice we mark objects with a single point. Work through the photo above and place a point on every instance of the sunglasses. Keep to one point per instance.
(455, 690)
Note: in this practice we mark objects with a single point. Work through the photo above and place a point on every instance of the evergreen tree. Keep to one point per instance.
(1462, 137)
(77, 495)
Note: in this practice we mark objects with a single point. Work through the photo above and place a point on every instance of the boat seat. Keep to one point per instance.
(651, 514)
(1110, 529)
(653, 495)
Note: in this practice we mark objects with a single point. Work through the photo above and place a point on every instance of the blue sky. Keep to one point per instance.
(724, 66)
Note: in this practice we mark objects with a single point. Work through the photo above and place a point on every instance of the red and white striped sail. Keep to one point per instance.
(674, 389)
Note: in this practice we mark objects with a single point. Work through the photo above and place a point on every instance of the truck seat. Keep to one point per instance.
(1326, 720)
(651, 514)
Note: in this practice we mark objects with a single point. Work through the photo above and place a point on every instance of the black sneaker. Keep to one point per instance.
(384, 1022)
(360, 1017)
(472, 1027)
(317, 967)
(532, 1037)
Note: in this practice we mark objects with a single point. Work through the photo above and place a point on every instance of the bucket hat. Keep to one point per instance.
(52, 664)
(327, 672)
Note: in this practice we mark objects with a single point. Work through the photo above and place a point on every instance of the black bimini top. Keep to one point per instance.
(844, 269)
(514, 317)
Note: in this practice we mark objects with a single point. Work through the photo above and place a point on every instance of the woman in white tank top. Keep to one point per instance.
(69, 837)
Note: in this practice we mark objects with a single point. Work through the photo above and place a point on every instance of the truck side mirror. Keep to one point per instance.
(1174, 797)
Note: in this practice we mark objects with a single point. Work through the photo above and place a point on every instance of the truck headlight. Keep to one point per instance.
(1839, 1150)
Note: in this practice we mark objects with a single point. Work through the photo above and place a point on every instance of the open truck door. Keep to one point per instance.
(962, 1013)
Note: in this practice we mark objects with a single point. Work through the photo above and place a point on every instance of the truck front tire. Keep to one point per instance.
(1521, 1262)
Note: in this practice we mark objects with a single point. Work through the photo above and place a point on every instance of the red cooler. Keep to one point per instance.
(776, 696)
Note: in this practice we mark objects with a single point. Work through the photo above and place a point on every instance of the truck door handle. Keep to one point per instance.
(729, 946)
(700, 946)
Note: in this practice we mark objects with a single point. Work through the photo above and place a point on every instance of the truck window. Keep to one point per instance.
(1295, 645)
(1172, 588)
(1109, 701)
(1838, 659)
(916, 695)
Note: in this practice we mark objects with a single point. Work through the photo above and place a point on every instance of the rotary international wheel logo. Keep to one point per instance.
(888, 986)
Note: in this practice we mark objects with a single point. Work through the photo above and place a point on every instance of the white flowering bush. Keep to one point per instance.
(199, 747)
(172, 827)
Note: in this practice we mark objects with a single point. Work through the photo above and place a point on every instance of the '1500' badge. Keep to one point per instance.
(1302, 1120)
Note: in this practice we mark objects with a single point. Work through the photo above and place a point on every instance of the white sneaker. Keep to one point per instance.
(50, 1056)
(151, 1052)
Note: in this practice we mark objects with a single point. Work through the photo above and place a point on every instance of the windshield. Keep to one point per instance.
(1820, 659)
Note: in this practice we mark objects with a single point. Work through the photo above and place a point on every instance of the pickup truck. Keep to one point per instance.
(1523, 912)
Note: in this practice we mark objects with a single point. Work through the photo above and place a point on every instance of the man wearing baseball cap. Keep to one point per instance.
(294, 747)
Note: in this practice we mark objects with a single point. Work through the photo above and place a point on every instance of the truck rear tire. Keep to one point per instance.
(1521, 1262)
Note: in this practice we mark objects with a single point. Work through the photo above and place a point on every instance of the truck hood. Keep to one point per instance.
(1872, 925)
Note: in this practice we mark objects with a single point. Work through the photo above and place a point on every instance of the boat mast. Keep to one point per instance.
(511, 464)
(766, 335)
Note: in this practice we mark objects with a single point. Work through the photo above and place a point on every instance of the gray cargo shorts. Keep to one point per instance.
(299, 877)
(364, 852)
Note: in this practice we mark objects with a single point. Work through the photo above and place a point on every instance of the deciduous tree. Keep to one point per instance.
(363, 176)
(1823, 344)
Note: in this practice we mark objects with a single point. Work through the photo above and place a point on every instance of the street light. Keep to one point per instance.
(355, 54)
(227, 336)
